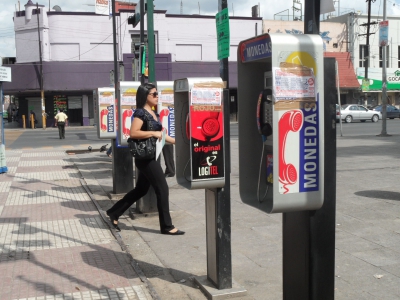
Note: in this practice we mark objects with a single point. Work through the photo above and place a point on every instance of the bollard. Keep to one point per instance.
(32, 121)
(23, 122)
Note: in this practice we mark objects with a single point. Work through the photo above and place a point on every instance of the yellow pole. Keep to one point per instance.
(32, 121)
(23, 122)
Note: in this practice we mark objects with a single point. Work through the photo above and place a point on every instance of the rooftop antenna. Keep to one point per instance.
(181, 8)
(199, 6)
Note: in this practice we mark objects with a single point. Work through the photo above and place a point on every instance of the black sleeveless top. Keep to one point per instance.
(149, 124)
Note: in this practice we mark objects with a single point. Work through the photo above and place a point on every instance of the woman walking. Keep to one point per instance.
(150, 171)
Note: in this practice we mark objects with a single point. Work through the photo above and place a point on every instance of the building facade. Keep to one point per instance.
(77, 55)
(372, 64)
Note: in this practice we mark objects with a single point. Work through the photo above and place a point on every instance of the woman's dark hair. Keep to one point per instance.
(142, 92)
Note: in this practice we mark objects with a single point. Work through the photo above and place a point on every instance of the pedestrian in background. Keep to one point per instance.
(61, 120)
(109, 152)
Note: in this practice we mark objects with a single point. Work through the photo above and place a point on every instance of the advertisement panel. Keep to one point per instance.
(206, 133)
(375, 78)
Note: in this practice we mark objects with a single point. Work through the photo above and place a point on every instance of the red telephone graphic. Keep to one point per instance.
(291, 120)
(208, 124)
(125, 129)
(210, 127)
(164, 113)
(103, 121)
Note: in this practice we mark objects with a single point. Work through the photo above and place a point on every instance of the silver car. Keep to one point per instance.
(353, 112)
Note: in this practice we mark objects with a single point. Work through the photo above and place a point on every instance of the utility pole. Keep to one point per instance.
(150, 40)
(366, 54)
(141, 40)
(122, 169)
(43, 105)
(384, 80)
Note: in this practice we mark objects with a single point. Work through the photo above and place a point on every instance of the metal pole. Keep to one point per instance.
(309, 236)
(122, 160)
(367, 46)
(338, 96)
(150, 39)
(42, 102)
(384, 80)
(223, 203)
(2, 113)
(148, 203)
(141, 39)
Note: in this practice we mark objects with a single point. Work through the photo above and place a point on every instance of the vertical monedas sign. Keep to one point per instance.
(223, 35)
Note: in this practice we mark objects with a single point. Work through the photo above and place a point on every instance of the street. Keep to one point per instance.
(19, 138)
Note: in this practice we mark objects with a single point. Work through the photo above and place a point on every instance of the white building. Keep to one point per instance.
(77, 54)
(357, 38)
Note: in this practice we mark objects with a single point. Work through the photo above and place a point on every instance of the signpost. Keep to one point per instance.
(5, 75)
(223, 35)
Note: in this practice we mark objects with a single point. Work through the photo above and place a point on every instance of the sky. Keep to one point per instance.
(204, 7)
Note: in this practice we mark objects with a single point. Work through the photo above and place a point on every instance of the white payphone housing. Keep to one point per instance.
(287, 69)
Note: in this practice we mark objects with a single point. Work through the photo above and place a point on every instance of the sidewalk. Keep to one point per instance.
(54, 240)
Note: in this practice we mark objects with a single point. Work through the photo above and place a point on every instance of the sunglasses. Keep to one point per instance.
(155, 94)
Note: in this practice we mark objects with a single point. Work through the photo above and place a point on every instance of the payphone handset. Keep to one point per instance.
(264, 113)
(264, 126)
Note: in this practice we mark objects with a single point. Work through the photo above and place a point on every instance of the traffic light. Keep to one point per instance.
(131, 20)
(136, 50)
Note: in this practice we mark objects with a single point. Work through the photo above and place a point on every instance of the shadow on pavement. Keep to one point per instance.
(386, 195)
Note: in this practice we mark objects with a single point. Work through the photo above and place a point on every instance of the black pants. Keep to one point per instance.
(61, 129)
(150, 174)
(168, 153)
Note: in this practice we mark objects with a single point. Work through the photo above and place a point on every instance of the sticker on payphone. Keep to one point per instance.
(206, 138)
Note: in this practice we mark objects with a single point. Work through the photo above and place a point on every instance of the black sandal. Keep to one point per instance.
(178, 232)
(113, 220)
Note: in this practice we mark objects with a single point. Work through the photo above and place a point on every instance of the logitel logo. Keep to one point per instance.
(207, 167)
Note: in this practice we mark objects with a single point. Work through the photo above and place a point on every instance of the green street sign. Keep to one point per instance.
(365, 85)
(223, 35)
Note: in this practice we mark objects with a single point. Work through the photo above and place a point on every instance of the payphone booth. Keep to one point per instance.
(105, 114)
(280, 103)
(126, 108)
(200, 161)
(199, 132)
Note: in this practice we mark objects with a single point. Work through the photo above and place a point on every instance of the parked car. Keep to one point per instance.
(352, 112)
(391, 111)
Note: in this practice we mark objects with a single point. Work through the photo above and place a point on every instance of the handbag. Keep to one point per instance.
(143, 148)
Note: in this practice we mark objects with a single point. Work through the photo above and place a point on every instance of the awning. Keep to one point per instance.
(347, 76)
